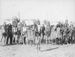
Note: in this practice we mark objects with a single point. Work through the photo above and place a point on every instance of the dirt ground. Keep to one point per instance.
(31, 51)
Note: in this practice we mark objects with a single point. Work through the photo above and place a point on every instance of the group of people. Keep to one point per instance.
(59, 33)
(65, 33)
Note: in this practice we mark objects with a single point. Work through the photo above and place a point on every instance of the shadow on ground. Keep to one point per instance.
(49, 49)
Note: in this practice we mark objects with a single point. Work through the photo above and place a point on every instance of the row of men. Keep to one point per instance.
(9, 33)
(65, 32)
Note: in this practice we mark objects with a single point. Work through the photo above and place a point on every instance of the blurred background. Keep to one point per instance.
(52, 10)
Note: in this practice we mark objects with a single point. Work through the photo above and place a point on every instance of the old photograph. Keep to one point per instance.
(37, 28)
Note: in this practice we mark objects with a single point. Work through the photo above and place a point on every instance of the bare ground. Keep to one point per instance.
(31, 51)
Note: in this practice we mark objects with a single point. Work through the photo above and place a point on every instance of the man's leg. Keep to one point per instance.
(18, 39)
(25, 40)
(7, 39)
(10, 39)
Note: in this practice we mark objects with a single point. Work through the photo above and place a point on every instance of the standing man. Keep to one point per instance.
(43, 31)
(9, 34)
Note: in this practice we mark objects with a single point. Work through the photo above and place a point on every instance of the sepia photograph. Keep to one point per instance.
(37, 28)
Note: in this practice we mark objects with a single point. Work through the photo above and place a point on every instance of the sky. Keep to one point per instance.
(51, 10)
